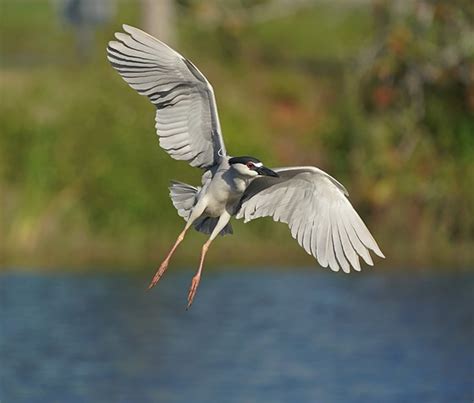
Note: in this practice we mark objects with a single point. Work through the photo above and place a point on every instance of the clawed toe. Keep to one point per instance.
(158, 274)
(192, 290)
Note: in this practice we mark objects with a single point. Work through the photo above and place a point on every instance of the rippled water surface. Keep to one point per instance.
(252, 336)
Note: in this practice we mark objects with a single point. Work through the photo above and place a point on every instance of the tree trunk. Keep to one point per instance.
(158, 19)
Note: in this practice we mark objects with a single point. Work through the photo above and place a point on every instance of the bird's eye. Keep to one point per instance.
(250, 165)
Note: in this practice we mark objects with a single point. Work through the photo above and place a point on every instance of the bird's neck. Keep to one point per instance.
(241, 183)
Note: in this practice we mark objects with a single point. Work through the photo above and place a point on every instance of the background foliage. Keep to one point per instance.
(379, 94)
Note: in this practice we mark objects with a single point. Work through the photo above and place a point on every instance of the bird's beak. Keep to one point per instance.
(266, 172)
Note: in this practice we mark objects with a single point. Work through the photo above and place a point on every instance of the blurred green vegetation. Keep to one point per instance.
(378, 95)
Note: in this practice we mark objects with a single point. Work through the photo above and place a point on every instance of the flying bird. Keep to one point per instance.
(313, 204)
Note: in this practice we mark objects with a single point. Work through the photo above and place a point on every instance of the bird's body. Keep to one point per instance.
(224, 190)
(311, 202)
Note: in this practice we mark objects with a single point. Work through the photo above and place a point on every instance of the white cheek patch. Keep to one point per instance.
(258, 164)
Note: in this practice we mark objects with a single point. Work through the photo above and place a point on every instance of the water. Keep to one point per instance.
(300, 336)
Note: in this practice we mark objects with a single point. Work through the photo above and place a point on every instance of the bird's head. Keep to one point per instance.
(250, 167)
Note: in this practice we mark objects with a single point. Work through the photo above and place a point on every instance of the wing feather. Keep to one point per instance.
(338, 247)
(349, 251)
(318, 213)
(314, 234)
(364, 234)
(330, 251)
(187, 121)
(355, 241)
(322, 254)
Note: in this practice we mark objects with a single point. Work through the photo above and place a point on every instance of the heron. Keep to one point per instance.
(312, 203)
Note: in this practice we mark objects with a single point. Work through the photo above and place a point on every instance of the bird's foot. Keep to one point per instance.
(159, 273)
(193, 289)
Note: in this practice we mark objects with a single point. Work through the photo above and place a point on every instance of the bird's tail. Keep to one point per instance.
(184, 198)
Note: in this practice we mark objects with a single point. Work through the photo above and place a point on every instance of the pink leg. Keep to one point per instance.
(223, 220)
(197, 277)
(165, 263)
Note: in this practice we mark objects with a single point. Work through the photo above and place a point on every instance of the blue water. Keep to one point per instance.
(300, 336)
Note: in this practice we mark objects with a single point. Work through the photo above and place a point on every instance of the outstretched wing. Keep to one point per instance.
(187, 122)
(315, 207)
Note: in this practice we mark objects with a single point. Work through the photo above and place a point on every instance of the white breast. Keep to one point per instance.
(223, 193)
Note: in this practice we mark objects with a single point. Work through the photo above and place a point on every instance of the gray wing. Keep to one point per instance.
(315, 207)
(187, 122)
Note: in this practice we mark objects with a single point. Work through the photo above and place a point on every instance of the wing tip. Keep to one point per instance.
(376, 249)
(111, 46)
(127, 28)
(137, 32)
(134, 32)
(355, 263)
(322, 261)
(120, 36)
(379, 253)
